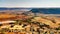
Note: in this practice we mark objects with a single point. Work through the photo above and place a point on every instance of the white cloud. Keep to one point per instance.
(30, 3)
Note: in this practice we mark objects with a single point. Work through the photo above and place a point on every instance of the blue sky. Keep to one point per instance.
(29, 3)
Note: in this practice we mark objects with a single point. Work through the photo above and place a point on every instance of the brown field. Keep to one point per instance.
(52, 22)
(12, 17)
(13, 33)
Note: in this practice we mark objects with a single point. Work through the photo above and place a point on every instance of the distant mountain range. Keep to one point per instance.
(46, 10)
(37, 10)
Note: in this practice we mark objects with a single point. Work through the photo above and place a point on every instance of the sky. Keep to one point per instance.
(30, 3)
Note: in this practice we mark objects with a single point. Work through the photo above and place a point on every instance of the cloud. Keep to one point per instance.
(29, 3)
